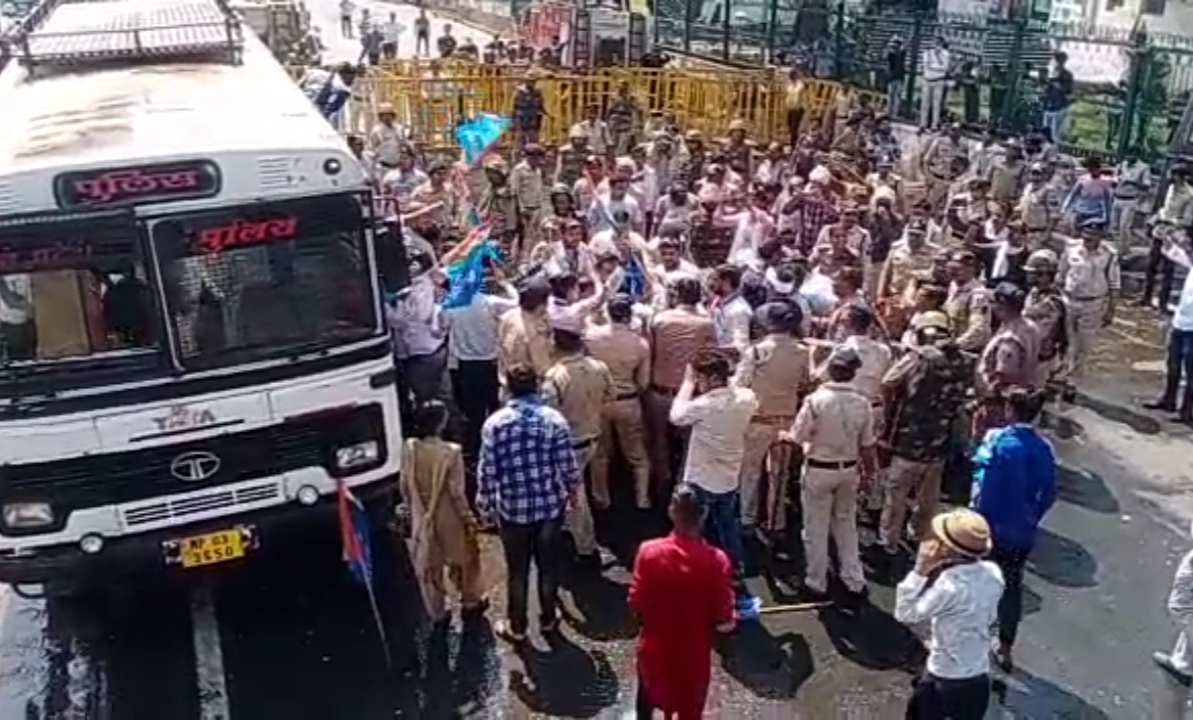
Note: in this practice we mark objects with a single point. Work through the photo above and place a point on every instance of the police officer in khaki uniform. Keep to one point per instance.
(835, 427)
(968, 306)
(1045, 307)
(1090, 281)
(579, 387)
(569, 167)
(498, 204)
(778, 369)
(529, 188)
(627, 355)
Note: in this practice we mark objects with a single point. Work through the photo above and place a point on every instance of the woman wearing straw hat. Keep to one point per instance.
(957, 592)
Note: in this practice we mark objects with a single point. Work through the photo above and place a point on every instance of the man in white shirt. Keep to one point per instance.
(936, 64)
(386, 139)
(731, 313)
(957, 592)
(472, 356)
(420, 335)
(391, 33)
(718, 418)
(1180, 339)
(1179, 663)
(18, 331)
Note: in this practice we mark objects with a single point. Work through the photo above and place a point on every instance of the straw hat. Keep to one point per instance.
(963, 531)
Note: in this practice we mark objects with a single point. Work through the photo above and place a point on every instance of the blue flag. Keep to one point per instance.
(478, 135)
(466, 273)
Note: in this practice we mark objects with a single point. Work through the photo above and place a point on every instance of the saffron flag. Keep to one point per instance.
(478, 135)
(465, 266)
(354, 535)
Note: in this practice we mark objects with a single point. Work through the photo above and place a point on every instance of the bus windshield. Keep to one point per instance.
(267, 280)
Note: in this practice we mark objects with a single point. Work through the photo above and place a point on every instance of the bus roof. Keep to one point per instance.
(121, 114)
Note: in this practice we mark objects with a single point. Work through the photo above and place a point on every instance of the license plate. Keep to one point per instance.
(212, 548)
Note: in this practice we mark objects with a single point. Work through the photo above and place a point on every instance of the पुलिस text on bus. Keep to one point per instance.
(54, 256)
(124, 186)
(241, 233)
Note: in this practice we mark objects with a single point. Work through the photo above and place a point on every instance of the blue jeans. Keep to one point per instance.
(1055, 122)
(1180, 362)
(722, 524)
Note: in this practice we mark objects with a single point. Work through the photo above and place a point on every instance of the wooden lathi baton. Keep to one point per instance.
(794, 608)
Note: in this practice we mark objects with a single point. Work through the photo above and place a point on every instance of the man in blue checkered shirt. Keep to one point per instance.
(526, 478)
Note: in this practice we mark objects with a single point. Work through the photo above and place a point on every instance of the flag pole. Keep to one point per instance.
(389, 662)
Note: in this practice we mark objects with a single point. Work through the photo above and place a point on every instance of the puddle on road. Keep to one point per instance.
(24, 655)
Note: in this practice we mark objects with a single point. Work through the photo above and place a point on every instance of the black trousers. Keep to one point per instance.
(18, 342)
(942, 699)
(1180, 365)
(477, 394)
(1158, 265)
(1010, 608)
(539, 542)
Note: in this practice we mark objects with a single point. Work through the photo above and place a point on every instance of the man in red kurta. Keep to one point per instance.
(682, 593)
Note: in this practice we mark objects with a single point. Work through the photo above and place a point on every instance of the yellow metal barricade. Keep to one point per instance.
(431, 97)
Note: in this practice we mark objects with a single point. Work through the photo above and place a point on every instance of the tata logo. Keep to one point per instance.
(195, 466)
(181, 417)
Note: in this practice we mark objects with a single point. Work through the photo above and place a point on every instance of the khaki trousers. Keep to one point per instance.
(903, 479)
(577, 520)
(658, 426)
(622, 426)
(1084, 319)
(765, 456)
(830, 508)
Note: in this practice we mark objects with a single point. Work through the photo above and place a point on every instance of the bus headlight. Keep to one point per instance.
(357, 455)
(28, 515)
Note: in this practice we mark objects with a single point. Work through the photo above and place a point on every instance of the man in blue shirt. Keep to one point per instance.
(1014, 485)
(526, 478)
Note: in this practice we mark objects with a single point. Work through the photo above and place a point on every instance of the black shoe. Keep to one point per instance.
(1184, 418)
(812, 595)
(1161, 404)
(1164, 662)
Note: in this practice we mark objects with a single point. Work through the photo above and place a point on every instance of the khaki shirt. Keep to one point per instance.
(528, 186)
(904, 267)
(968, 308)
(940, 159)
(523, 338)
(677, 335)
(625, 353)
(778, 368)
(1005, 181)
(1036, 206)
(579, 386)
(834, 423)
(1089, 275)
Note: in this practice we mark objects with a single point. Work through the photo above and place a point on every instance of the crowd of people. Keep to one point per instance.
(781, 343)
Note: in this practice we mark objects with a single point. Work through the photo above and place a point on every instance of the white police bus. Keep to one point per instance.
(191, 343)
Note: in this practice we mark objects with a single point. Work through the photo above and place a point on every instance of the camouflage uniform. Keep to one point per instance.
(930, 386)
(621, 117)
(1045, 307)
(739, 151)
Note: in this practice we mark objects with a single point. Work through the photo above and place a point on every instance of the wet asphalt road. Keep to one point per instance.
(296, 639)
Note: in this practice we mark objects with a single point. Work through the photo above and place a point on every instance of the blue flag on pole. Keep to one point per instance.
(466, 271)
(478, 135)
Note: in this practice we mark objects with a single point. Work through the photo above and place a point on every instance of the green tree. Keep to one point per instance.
(1152, 103)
